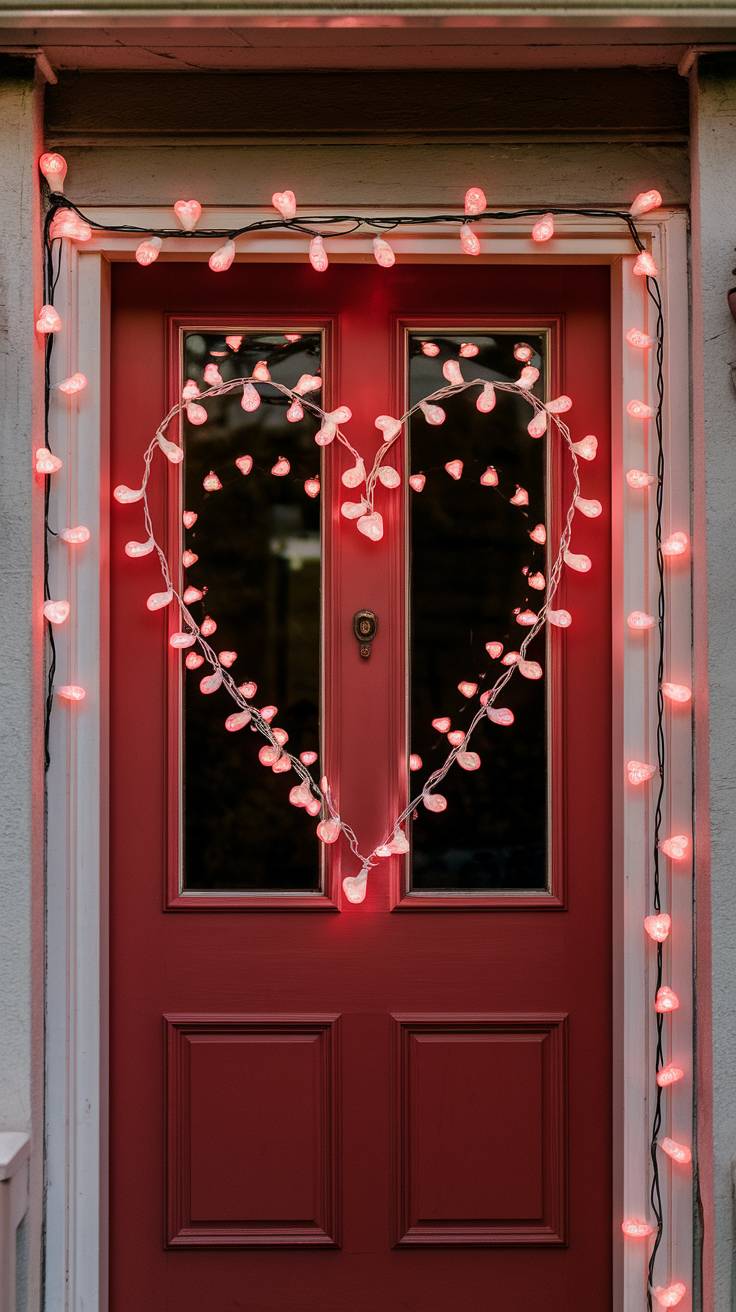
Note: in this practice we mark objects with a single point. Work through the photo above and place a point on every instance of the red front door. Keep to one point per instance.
(403, 1104)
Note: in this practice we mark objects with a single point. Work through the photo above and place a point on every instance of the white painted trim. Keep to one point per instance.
(76, 1258)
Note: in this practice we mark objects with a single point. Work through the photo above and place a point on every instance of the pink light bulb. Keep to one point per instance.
(537, 427)
(415, 761)
(300, 794)
(137, 549)
(126, 496)
(188, 212)
(210, 683)
(371, 526)
(295, 412)
(383, 253)
(354, 476)
(559, 405)
(669, 1074)
(658, 927)
(228, 658)
(190, 390)
(638, 772)
(442, 723)
(486, 399)
(158, 600)
(544, 228)
(494, 650)
(638, 621)
(454, 469)
(148, 251)
(523, 352)
(74, 384)
(676, 544)
(528, 376)
(261, 371)
(307, 758)
(388, 427)
(538, 534)
(679, 693)
(208, 626)
(354, 887)
(467, 688)
(644, 202)
(500, 715)
(244, 464)
(46, 463)
(251, 398)
(634, 1227)
(526, 618)
(560, 619)
(192, 594)
(645, 265)
(71, 692)
(211, 482)
(530, 669)
(430, 349)
(417, 482)
(639, 410)
(248, 689)
(434, 414)
(588, 507)
(578, 561)
(520, 497)
(311, 487)
(468, 760)
(49, 320)
(328, 831)
(269, 754)
(469, 350)
(389, 476)
(75, 536)
(221, 259)
(179, 641)
(678, 1152)
(469, 241)
(354, 509)
(511, 658)
(193, 660)
(318, 255)
(639, 478)
(234, 341)
(435, 802)
(281, 468)
(489, 477)
(54, 168)
(67, 224)
(307, 383)
(642, 341)
(237, 721)
(172, 452)
(475, 200)
(537, 581)
(453, 373)
(56, 612)
(666, 1000)
(677, 847)
(670, 1295)
(586, 448)
(212, 375)
(196, 414)
(285, 203)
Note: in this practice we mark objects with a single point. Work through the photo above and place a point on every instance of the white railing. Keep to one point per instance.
(15, 1150)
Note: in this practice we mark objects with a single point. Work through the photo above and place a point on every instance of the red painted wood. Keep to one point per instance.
(369, 964)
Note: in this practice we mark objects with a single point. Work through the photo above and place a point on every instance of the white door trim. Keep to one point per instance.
(77, 1012)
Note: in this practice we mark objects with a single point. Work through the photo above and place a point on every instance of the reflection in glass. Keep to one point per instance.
(258, 547)
(468, 549)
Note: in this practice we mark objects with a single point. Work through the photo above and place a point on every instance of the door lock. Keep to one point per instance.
(365, 627)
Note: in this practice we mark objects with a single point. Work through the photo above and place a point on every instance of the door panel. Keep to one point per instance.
(426, 1096)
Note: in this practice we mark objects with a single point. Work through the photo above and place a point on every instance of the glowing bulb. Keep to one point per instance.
(468, 760)
(560, 619)
(666, 1000)
(244, 464)
(261, 371)
(196, 414)
(46, 463)
(318, 255)
(295, 412)
(308, 758)
(415, 761)
(528, 376)
(434, 414)
(453, 373)
(537, 581)
(148, 251)
(211, 482)
(456, 736)
(454, 469)
(644, 202)
(435, 802)
(234, 341)
(76, 535)
(172, 452)
(590, 508)
(354, 476)
(635, 337)
(670, 1295)
(137, 549)
(281, 468)
(56, 612)
(639, 410)
(53, 167)
(658, 926)
(538, 534)
(526, 618)
(530, 669)
(328, 831)
(158, 600)
(669, 1074)
(311, 487)
(430, 349)
(537, 427)
(192, 594)
(544, 228)
(212, 375)
(399, 844)
(127, 495)
(181, 640)
(383, 253)
(638, 772)
(354, 509)
(511, 658)
(248, 689)
(300, 794)
(636, 1228)
(677, 692)
(307, 383)
(469, 241)
(486, 399)
(417, 482)
(586, 448)
(285, 203)
(677, 847)
(676, 544)
(494, 650)
(228, 658)
(221, 259)
(371, 526)
(523, 352)
(238, 720)
(500, 715)
(560, 405)
(442, 723)
(208, 626)
(354, 887)
(489, 477)
(269, 754)
(679, 1152)
(475, 200)
(468, 350)
(578, 561)
(645, 265)
(49, 320)
(520, 497)
(467, 688)
(74, 384)
(638, 478)
(188, 212)
(71, 692)
(189, 558)
(639, 620)
(68, 224)
(193, 660)
(389, 476)
(189, 390)
(388, 427)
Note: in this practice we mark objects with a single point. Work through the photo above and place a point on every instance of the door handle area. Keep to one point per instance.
(365, 628)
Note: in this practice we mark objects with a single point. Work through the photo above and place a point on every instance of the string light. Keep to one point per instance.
(475, 200)
(148, 251)
(54, 168)
(71, 692)
(49, 320)
(75, 536)
(221, 259)
(318, 255)
(285, 203)
(639, 478)
(658, 927)
(73, 385)
(678, 1152)
(544, 228)
(188, 212)
(383, 253)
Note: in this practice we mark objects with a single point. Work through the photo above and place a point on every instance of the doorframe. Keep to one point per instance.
(77, 898)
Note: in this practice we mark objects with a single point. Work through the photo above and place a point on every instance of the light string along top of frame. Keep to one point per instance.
(65, 220)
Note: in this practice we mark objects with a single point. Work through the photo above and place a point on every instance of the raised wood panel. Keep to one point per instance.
(480, 1136)
(252, 1131)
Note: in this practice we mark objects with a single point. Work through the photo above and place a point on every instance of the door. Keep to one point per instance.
(404, 1103)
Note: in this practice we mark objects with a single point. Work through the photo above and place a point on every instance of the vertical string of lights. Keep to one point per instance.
(65, 221)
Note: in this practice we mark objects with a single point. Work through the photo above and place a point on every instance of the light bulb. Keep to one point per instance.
(523, 352)
(500, 715)
(639, 478)
(71, 692)
(127, 495)
(228, 658)
(454, 469)
(475, 200)
(328, 831)
(190, 390)
(679, 693)
(237, 721)
(468, 350)
(430, 349)
(56, 612)
(670, 1295)
(188, 212)
(469, 241)
(666, 1000)
(537, 427)
(578, 561)
(158, 600)
(415, 761)
(467, 688)
(269, 754)
(442, 724)
(561, 619)
(526, 618)
(645, 265)
(148, 251)
(676, 544)
(389, 476)
(261, 371)
(196, 414)
(639, 620)
(520, 497)
(489, 477)
(192, 594)
(285, 203)
(193, 660)
(208, 626)
(635, 337)
(53, 167)
(435, 802)
(74, 384)
(388, 427)
(211, 482)
(49, 320)
(67, 224)
(452, 372)
(307, 758)
(559, 405)
(639, 410)
(221, 259)
(244, 464)
(137, 549)
(354, 509)
(281, 468)
(586, 448)
(318, 255)
(311, 487)
(47, 463)
(383, 253)
(468, 760)
(677, 847)
(494, 650)
(434, 414)
(295, 412)
(417, 482)
(511, 658)
(300, 794)
(537, 581)
(538, 534)
(326, 432)
(355, 886)
(678, 1152)
(486, 400)
(544, 228)
(590, 508)
(248, 689)
(638, 772)
(530, 669)
(211, 682)
(371, 526)
(74, 536)
(669, 1074)
(234, 341)
(212, 375)
(658, 926)
(354, 476)
(181, 640)
(172, 452)
(307, 383)
(634, 1227)
(644, 202)
(528, 377)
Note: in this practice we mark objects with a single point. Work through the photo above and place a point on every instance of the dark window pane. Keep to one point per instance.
(258, 543)
(469, 547)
